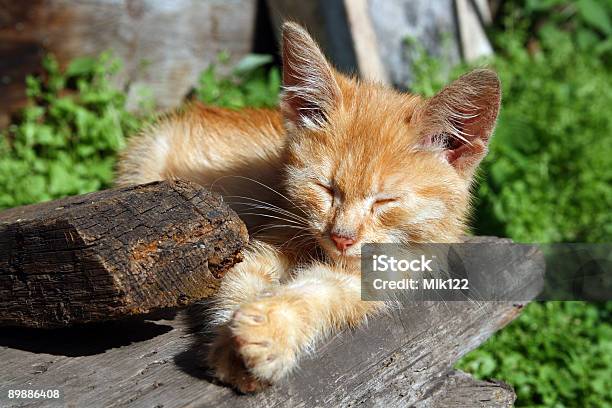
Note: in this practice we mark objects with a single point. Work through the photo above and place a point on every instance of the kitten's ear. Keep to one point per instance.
(461, 118)
(310, 89)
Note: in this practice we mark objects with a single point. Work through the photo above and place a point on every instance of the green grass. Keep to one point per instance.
(557, 354)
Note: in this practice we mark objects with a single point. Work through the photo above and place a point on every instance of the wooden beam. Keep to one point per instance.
(474, 41)
(365, 43)
(399, 360)
(114, 253)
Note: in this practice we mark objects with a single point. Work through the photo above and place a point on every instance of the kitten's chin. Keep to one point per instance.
(351, 257)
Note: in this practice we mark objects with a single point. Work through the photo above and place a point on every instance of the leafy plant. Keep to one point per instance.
(548, 178)
(248, 84)
(557, 354)
(588, 22)
(548, 175)
(66, 140)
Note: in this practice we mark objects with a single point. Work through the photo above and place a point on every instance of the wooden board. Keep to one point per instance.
(163, 45)
(114, 253)
(343, 30)
(402, 359)
(382, 39)
(471, 17)
(395, 362)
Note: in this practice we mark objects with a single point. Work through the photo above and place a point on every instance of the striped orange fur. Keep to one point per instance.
(340, 163)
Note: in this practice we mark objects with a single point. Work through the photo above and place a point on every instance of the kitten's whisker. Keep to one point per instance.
(287, 212)
(296, 224)
(267, 227)
(309, 237)
(267, 187)
(279, 214)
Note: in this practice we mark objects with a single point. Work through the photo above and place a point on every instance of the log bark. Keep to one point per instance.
(114, 253)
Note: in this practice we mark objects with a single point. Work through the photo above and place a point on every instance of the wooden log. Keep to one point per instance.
(114, 253)
(402, 359)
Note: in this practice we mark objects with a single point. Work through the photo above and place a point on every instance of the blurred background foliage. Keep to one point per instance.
(548, 177)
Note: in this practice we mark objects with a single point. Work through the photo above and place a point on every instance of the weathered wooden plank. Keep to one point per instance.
(164, 45)
(382, 39)
(460, 390)
(342, 28)
(403, 27)
(398, 360)
(365, 42)
(113, 253)
(474, 41)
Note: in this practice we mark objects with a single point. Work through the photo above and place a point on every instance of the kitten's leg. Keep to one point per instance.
(261, 271)
(271, 333)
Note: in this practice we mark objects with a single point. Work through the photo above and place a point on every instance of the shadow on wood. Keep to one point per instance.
(82, 340)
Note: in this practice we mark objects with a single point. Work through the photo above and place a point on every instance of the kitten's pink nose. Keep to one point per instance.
(342, 243)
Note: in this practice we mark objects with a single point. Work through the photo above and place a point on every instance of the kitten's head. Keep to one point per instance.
(370, 164)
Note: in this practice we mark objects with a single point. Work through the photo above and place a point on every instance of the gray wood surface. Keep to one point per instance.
(404, 26)
(163, 45)
(460, 390)
(116, 252)
(402, 359)
(382, 39)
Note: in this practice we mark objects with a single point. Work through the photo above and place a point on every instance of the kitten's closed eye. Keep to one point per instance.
(327, 188)
(382, 202)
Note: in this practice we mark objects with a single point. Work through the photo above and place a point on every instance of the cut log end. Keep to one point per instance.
(114, 253)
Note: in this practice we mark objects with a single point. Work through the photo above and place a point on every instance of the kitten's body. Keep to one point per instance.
(230, 151)
(341, 163)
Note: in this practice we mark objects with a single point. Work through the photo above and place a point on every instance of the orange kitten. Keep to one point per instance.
(342, 163)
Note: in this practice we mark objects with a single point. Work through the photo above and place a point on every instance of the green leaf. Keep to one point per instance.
(251, 62)
(81, 66)
(595, 14)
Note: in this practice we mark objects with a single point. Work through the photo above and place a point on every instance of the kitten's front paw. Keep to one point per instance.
(267, 337)
(228, 365)
(258, 347)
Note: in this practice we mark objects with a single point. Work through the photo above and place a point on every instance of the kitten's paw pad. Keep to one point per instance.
(264, 333)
